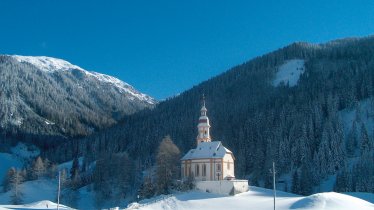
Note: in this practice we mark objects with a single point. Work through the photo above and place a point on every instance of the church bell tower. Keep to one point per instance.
(203, 126)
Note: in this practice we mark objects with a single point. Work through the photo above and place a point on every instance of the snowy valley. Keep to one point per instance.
(306, 108)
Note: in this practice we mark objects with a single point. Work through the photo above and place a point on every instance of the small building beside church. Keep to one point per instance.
(210, 163)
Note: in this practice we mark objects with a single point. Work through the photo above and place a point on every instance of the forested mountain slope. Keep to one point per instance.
(263, 111)
(46, 99)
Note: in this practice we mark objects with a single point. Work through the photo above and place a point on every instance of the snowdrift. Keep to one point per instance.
(331, 201)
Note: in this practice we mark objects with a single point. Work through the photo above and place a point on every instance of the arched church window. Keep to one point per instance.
(218, 167)
(197, 170)
(204, 169)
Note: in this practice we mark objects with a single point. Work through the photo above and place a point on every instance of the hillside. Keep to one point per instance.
(285, 106)
(45, 99)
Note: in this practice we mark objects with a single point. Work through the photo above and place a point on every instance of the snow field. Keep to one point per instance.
(289, 72)
(259, 199)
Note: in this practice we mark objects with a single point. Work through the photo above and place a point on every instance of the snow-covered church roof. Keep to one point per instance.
(213, 149)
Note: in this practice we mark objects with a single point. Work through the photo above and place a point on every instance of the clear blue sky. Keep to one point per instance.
(165, 47)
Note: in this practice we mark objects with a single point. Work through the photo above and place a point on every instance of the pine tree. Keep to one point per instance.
(74, 171)
(7, 179)
(295, 183)
(343, 181)
(365, 145)
(15, 182)
(352, 140)
(306, 182)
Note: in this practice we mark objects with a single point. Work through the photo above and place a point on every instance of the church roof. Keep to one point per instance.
(213, 149)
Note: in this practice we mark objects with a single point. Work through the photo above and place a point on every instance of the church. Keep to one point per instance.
(210, 162)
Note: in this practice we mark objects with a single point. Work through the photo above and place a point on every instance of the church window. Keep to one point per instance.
(228, 165)
(218, 167)
(204, 170)
(197, 170)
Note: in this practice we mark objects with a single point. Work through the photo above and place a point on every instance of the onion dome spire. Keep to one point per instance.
(203, 127)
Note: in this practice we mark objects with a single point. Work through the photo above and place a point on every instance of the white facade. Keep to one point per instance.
(209, 169)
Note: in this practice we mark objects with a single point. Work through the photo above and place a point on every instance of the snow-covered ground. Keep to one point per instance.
(258, 199)
(44, 189)
(40, 205)
(289, 72)
(37, 192)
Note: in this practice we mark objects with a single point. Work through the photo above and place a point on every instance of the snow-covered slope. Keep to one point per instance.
(19, 154)
(289, 72)
(51, 65)
(43, 189)
(7, 161)
(258, 199)
(47, 64)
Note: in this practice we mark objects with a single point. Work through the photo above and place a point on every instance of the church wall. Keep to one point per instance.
(211, 168)
(228, 171)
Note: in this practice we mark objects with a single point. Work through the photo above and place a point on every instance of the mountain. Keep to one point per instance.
(289, 106)
(48, 99)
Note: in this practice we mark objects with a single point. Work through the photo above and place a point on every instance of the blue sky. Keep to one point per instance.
(165, 47)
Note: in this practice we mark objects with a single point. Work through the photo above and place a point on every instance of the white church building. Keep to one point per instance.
(210, 163)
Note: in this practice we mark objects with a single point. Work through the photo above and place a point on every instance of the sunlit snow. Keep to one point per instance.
(289, 72)
(52, 65)
(258, 199)
(40, 205)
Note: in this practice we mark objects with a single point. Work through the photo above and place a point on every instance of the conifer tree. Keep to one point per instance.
(15, 182)
(7, 179)
(295, 183)
(352, 140)
(306, 182)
